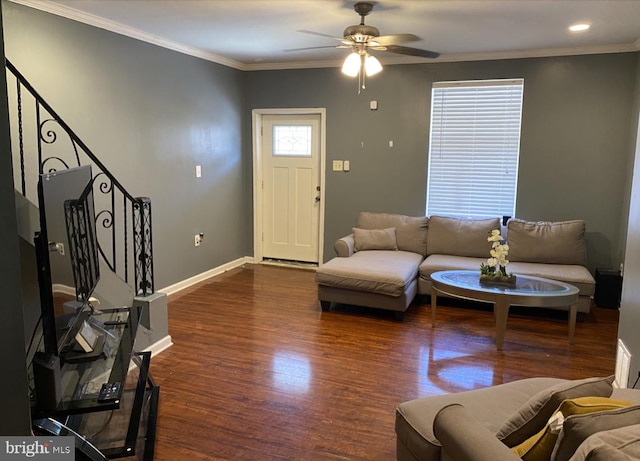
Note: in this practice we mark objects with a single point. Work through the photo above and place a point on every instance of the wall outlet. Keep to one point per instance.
(337, 165)
(198, 239)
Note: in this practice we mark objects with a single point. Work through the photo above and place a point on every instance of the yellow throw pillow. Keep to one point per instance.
(540, 446)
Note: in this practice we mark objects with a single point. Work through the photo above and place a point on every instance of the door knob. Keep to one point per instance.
(317, 198)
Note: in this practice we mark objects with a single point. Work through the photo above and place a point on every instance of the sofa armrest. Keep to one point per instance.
(463, 438)
(345, 246)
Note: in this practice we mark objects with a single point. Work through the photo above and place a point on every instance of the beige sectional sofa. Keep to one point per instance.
(484, 424)
(389, 258)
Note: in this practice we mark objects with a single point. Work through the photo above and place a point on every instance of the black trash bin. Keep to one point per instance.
(608, 288)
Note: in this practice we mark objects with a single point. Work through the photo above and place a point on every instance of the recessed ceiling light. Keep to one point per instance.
(579, 27)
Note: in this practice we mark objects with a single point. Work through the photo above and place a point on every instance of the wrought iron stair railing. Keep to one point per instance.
(123, 221)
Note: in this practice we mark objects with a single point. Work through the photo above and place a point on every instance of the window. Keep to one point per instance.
(474, 148)
(292, 140)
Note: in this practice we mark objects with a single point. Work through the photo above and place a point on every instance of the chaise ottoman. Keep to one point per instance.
(377, 264)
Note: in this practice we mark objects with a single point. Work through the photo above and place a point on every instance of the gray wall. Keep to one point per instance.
(574, 151)
(14, 400)
(150, 115)
(630, 305)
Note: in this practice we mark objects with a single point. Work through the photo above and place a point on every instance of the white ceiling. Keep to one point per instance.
(253, 34)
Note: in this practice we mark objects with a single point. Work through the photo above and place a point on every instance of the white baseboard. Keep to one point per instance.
(623, 366)
(64, 289)
(176, 287)
(159, 346)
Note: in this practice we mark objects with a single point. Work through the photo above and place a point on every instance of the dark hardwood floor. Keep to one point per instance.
(259, 372)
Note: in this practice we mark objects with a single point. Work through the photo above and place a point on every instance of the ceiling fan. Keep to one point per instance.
(361, 38)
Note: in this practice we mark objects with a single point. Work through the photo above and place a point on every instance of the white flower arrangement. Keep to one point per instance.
(496, 265)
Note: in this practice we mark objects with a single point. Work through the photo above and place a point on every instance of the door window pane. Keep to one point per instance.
(292, 140)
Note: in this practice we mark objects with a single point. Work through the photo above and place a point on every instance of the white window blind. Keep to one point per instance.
(474, 148)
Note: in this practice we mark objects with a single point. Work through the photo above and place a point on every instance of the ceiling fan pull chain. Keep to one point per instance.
(362, 69)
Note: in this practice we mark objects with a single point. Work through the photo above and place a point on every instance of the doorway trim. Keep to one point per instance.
(257, 123)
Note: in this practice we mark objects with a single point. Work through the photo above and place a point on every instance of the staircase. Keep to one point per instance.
(43, 143)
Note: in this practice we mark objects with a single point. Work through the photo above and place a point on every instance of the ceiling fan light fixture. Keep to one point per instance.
(351, 66)
(371, 65)
(581, 27)
(361, 38)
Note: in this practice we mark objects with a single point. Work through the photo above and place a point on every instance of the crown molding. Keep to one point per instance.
(106, 24)
(118, 28)
(519, 54)
(292, 65)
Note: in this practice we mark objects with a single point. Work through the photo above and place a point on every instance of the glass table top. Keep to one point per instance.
(525, 285)
(81, 381)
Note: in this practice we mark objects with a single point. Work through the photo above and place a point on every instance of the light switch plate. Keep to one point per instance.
(337, 165)
(346, 165)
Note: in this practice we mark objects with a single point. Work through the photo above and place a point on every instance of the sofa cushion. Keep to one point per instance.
(460, 237)
(535, 413)
(539, 447)
(547, 242)
(577, 428)
(435, 263)
(375, 239)
(578, 276)
(411, 231)
(382, 271)
(622, 444)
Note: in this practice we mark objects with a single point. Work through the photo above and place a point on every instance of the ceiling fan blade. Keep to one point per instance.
(316, 48)
(385, 40)
(320, 34)
(412, 51)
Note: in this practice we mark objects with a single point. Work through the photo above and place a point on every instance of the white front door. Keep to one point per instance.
(291, 186)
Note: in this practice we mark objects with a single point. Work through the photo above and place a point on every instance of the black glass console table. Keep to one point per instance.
(123, 426)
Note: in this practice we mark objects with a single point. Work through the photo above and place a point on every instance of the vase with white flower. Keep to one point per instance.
(495, 269)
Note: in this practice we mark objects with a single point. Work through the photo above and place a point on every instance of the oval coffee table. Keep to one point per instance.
(528, 291)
